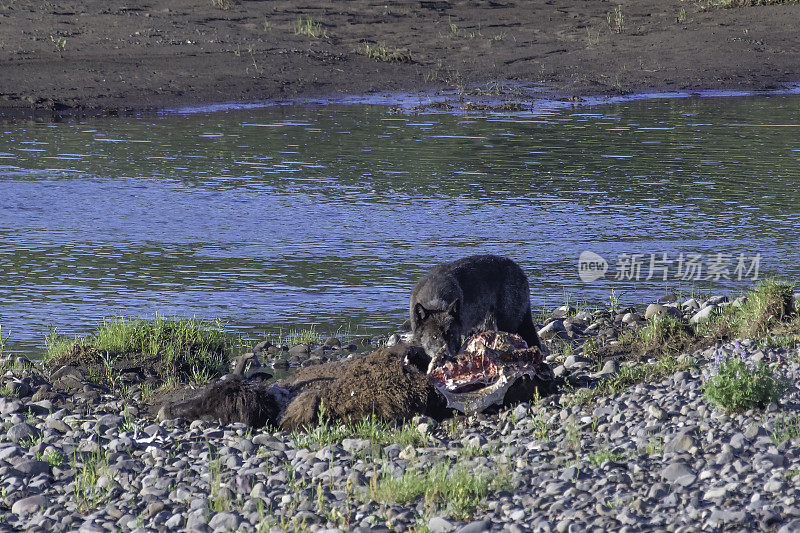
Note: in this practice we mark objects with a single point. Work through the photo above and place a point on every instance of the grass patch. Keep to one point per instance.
(616, 20)
(310, 28)
(2, 340)
(601, 456)
(176, 350)
(88, 472)
(381, 53)
(295, 336)
(766, 314)
(453, 487)
(629, 375)
(371, 428)
(768, 304)
(660, 336)
(786, 428)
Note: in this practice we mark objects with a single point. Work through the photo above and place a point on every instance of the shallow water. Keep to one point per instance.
(288, 217)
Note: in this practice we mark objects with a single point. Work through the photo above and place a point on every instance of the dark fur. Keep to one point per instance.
(468, 296)
(231, 400)
(379, 383)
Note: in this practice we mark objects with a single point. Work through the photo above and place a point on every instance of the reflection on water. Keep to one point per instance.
(287, 217)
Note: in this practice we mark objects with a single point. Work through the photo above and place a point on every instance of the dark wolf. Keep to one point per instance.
(470, 295)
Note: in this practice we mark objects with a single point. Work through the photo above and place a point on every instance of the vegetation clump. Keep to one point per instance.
(443, 485)
(170, 350)
(371, 428)
(381, 53)
(736, 383)
(310, 28)
(765, 308)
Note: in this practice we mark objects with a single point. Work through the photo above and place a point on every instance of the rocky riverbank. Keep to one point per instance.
(654, 455)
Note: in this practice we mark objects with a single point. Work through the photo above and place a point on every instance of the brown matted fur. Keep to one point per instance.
(378, 383)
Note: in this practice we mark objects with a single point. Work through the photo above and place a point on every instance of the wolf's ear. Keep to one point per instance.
(420, 312)
(454, 309)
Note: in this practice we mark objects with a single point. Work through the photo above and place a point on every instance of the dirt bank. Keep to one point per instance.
(114, 56)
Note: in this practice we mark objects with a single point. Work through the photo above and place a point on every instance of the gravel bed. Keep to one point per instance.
(657, 457)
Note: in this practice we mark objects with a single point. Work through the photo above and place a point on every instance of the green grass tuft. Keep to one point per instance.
(601, 456)
(769, 303)
(371, 428)
(88, 471)
(786, 428)
(381, 53)
(310, 28)
(629, 375)
(443, 485)
(182, 349)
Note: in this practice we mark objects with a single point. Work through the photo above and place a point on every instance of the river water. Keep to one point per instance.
(287, 217)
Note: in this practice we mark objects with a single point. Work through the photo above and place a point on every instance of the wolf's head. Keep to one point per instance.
(437, 329)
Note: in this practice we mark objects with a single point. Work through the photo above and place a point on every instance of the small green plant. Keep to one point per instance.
(258, 70)
(541, 315)
(60, 43)
(129, 423)
(654, 447)
(601, 456)
(664, 333)
(736, 384)
(614, 300)
(541, 429)
(592, 36)
(381, 53)
(87, 473)
(619, 79)
(453, 27)
(592, 346)
(217, 498)
(371, 428)
(2, 340)
(682, 15)
(615, 19)
(663, 368)
(310, 28)
(442, 485)
(614, 503)
(267, 24)
(54, 457)
(561, 348)
(147, 390)
(785, 429)
(32, 441)
(573, 433)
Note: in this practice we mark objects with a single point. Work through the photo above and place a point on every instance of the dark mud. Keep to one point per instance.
(111, 57)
